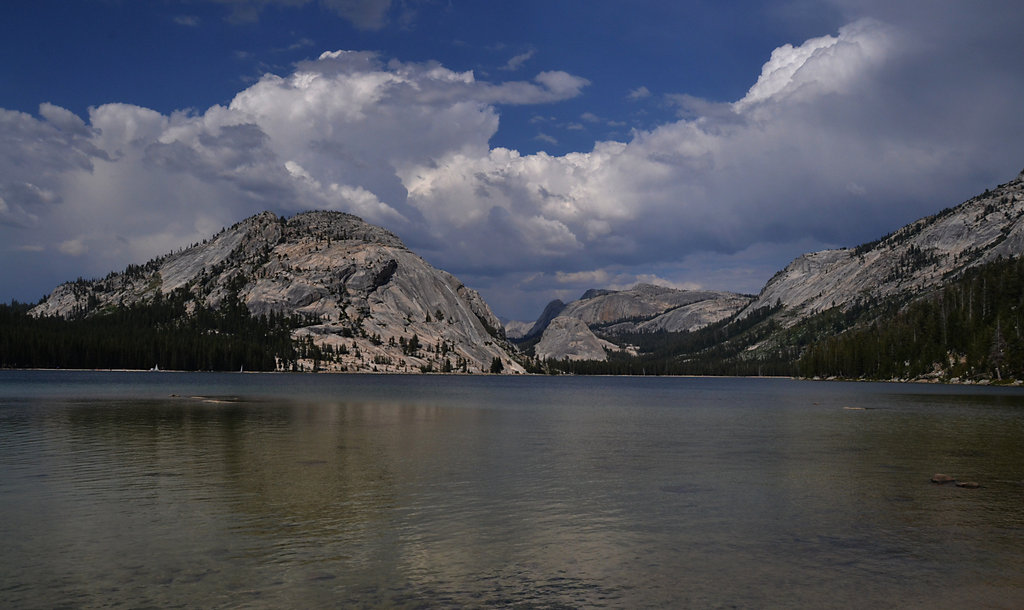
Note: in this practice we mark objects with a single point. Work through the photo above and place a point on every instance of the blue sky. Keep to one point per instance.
(178, 55)
(534, 149)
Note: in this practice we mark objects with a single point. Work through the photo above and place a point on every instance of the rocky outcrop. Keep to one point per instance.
(569, 338)
(917, 257)
(943, 479)
(362, 291)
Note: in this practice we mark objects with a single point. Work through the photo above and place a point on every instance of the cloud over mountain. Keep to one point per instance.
(841, 137)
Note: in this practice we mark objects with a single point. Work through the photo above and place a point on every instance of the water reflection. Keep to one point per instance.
(622, 493)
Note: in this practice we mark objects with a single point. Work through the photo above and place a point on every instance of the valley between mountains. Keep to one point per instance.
(939, 299)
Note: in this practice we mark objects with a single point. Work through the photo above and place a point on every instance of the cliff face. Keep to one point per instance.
(917, 257)
(362, 291)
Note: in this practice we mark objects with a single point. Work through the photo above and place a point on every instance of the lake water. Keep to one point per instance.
(278, 490)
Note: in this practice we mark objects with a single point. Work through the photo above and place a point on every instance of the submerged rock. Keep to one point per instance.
(942, 479)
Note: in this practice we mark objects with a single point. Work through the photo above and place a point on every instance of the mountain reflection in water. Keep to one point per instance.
(292, 490)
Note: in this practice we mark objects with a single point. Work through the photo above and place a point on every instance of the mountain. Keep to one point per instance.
(649, 308)
(938, 299)
(568, 331)
(551, 311)
(969, 330)
(356, 297)
(913, 259)
(569, 338)
(516, 329)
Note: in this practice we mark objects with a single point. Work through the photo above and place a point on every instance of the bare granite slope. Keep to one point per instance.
(915, 258)
(644, 308)
(567, 337)
(364, 292)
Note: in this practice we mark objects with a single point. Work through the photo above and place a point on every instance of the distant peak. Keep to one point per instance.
(342, 225)
(263, 218)
(650, 288)
(327, 215)
(595, 292)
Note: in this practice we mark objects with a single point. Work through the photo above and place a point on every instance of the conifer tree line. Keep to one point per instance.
(970, 329)
(160, 332)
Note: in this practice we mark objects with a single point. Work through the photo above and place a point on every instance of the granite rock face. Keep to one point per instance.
(644, 308)
(647, 307)
(358, 284)
(916, 258)
(551, 311)
(570, 338)
(517, 329)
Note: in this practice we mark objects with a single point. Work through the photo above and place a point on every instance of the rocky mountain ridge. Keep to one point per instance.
(373, 305)
(371, 302)
(915, 258)
(568, 331)
(568, 337)
(818, 296)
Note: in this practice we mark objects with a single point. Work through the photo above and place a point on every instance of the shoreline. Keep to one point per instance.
(1009, 383)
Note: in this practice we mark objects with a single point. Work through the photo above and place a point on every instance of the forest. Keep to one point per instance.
(969, 329)
(157, 333)
(972, 328)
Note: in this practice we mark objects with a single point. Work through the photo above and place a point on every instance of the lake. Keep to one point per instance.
(289, 490)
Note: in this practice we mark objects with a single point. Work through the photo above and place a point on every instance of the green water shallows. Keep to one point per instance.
(275, 490)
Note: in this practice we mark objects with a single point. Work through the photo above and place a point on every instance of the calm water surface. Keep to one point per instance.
(275, 490)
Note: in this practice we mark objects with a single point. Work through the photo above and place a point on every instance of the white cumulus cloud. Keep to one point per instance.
(840, 138)
(820, 65)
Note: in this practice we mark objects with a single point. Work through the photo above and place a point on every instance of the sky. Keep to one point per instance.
(533, 149)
